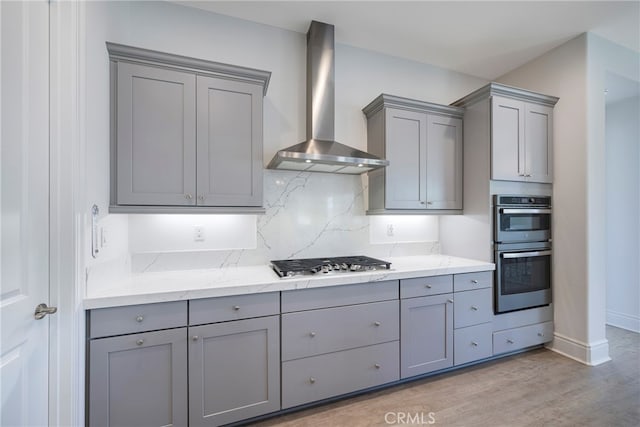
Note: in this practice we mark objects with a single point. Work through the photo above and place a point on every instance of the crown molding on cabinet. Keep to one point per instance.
(498, 89)
(392, 101)
(119, 52)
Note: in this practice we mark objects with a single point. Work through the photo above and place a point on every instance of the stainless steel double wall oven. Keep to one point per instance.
(522, 238)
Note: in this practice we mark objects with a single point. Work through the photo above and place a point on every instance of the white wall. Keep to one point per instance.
(576, 72)
(360, 76)
(622, 133)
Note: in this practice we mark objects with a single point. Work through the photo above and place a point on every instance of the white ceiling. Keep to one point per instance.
(481, 38)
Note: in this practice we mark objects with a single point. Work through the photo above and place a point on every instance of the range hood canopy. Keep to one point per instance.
(321, 152)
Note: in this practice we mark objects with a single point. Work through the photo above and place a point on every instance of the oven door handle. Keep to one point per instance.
(524, 211)
(525, 254)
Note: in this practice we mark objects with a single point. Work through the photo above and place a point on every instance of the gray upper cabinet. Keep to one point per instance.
(521, 128)
(423, 143)
(229, 146)
(156, 136)
(186, 134)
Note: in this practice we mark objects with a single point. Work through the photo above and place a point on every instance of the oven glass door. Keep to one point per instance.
(521, 225)
(523, 279)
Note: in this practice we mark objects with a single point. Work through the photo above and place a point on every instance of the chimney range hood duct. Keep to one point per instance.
(320, 152)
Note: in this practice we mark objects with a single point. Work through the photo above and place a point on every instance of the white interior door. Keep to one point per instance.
(24, 202)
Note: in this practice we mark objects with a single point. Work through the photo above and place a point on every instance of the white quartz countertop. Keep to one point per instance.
(192, 284)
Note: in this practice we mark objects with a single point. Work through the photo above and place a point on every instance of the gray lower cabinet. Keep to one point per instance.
(139, 379)
(234, 370)
(339, 339)
(186, 134)
(323, 376)
(138, 365)
(523, 337)
(423, 143)
(426, 334)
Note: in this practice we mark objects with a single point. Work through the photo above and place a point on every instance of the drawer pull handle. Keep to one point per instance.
(195, 338)
(236, 307)
(450, 301)
(474, 308)
(312, 380)
(474, 281)
(139, 319)
(473, 343)
(540, 334)
(510, 341)
(377, 366)
(428, 286)
(377, 323)
(312, 334)
(140, 342)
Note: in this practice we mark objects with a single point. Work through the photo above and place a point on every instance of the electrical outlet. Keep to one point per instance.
(390, 230)
(198, 233)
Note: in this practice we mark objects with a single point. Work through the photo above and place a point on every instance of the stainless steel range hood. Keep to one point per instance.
(321, 152)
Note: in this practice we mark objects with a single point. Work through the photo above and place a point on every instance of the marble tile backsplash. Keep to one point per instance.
(307, 215)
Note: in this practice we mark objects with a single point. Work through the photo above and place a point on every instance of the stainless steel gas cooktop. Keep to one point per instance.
(309, 266)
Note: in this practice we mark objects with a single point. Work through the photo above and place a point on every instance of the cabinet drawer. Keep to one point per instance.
(309, 333)
(519, 338)
(221, 309)
(424, 286)
(129, 319)
(472, 343)
(473, 307)
(471, 281)
(320, 377)
(333, 296)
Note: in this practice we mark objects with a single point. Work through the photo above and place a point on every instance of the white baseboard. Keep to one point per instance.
(623, 320)
(590, 354)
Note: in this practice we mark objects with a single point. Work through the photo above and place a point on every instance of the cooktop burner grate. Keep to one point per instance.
(346, 264)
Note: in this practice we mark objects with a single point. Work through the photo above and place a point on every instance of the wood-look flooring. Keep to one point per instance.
(537, 388)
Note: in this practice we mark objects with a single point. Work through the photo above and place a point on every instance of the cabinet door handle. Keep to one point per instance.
(377, 366)
(429, 203)
(139, 319)
(474, 281)
(428, 286)
(473, 343)
(540, 334)
(421, 202)
(312, 334)
(140, 342)
(509, 341)
(450, 301)
(201, 198)
(236, 307)
(474, 308)
(195, 338)
(376, 323)
(312, 380)
(188, 196)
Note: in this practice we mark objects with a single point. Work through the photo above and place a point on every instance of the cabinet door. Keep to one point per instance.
(444, 162)
(156, 139)
(234, 370)
(539, 143)
(426, 334)
(229, 143)
(406, 144)
(507, 139)
(139, 379)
